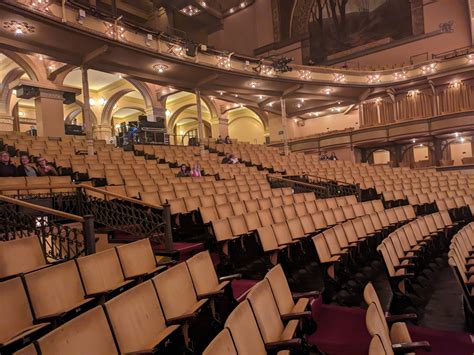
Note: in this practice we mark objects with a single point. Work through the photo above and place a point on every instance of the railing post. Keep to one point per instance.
(168, 233)
(89, 234)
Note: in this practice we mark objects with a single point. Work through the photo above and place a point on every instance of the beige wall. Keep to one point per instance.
(324, 124)
(435, 13)
(459, 151)
(381, 157)
(246, 30)
(420, 153)
(247, 129)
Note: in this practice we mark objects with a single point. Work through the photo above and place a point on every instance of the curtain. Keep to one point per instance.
(387, 112)
(415, 105)
(455, 98)
(369, 114)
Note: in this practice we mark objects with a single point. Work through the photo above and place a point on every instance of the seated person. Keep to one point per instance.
(6, 167)
(233, 159)
(44, 169)
(196, 170)
(227, 140)
(333, 156)
(226, 159)
(184, 171)
(323, 156)
(219, 140)
(25, 168)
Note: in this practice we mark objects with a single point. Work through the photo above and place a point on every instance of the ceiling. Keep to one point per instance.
(125, 112)
(97, 80)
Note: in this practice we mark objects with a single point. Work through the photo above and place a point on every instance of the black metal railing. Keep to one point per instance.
(111, 211)
(62, 235)
(322, 187)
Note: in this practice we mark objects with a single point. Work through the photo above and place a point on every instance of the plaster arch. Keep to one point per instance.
(109, 106)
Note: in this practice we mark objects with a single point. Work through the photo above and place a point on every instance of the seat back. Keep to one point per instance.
(375, 326)
(221, 344)
(280, 288)
(376, 347)
(136, 317)
(100, 272)
(20, 256)
(136, 258)
(244, 330)
(54, 289)
(175, 291)
(202, 273)
(88, 333)
(370, 296)
(266, 311)
(14, 308)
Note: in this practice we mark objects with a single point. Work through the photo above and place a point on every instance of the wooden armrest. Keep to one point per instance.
(309, 294)
(210, 294)
(401, 317)
(285, 344)
(50, 317)
(404, 266)
(230, 277)
(408, 258)
(181, 319)
(298, 315)
(142, 352)
(410, 347)
(469, 273)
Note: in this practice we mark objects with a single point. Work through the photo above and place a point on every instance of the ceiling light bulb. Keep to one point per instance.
(242, 5)
(168, 113)
(91, 102)
(18, 31)
(102, 101)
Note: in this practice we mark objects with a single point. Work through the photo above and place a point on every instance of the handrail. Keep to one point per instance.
(86, 187)
(125, 198)
(285, 178)
(329, 180)
(43, 209)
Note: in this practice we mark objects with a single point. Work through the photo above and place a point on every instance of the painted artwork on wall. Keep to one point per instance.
(339, 27)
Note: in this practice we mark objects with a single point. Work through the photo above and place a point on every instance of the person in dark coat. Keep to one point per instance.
(7, 169)
(25, 168)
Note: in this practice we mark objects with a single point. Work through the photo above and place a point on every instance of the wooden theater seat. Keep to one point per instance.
(244, 330)
(284, 299)
(101, 273)
(177, 295)
(268, 316)
(21, 256)
(221, 344)
(16, 320)
(137, 320)
(398, 339)
(88, 333)
(137, 259)
(56, 291)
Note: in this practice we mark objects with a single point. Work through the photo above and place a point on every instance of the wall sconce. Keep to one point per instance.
(168, 113)
(224, 62)
(102, 101)
(41, 5)
(400, 75)
(92, 102)
(413, 92)
(374, 78)
(305, 74)
(431, 68)
(339, 78)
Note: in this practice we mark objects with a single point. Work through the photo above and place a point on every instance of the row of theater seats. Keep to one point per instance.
(389, 333)
(413, 253)
(461, 254)
(10, 186)
(268, 321)
(168, 311)
(418, 198)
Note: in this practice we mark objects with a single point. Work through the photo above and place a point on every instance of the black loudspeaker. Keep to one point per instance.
(190, 49)
(69, 98)
(142, 118)
(161, 122)
(26, 92)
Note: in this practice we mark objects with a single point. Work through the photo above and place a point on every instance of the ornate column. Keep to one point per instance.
(438, 150)
(284, 124)
(199, 117)
(220, 124)
(49, 113)
(86, 112)
(102, 132)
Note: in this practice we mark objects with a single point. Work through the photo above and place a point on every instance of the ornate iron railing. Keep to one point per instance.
(110, 210)
(128, 215)
(323, 188)
(62, 235)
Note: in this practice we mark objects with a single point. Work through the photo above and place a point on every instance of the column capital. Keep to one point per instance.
(50, 94)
